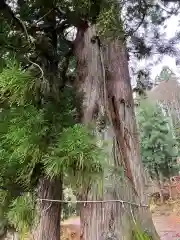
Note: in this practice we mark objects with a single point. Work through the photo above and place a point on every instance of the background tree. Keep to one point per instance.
(166, 95)
(158, 146)
(165, 75)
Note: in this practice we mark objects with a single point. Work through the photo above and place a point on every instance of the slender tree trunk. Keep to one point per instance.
(49, 220)
(104, 78)
(170, 189)
(160, 192)
(160, 185)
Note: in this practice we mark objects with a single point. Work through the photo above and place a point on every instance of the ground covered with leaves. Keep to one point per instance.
(166, 219)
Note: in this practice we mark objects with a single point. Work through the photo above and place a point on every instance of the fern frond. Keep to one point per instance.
(16, 85)
(22, 213)
(77, 151)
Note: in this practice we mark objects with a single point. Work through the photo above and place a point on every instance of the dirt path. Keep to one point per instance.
(168, 227)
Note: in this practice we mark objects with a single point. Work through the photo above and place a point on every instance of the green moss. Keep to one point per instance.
(109, 24)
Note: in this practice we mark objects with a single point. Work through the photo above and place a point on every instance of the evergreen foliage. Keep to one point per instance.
(75, 151)
(158, 147)
(38, 121)
(165, 74)
(32, 135)
(22, 213)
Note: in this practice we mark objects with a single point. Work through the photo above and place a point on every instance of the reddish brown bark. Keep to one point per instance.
(113, 93)
(121, 109)
(49, 212)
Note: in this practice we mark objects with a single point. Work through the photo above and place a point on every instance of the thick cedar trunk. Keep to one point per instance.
(49, 220)
(111, 220)
(48, 227)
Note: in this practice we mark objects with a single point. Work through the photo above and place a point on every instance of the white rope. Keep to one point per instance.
(93, 201)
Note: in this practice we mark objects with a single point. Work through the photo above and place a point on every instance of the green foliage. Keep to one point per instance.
(165, 74)
(18, 212)
(26, 130)
(82, 7)
(5, 199)
(16, 85)
(88, 9)
(138, 234)
(158, 147)
(75, 151)
(108, 22)
(22, 213)
(43, 131)
(43, 134)
(105, 14)
(22, 142)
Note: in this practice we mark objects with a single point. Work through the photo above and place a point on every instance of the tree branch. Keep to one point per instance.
(64, 66)
(71, 17)
(10, 16)
(3, 188)
(62, 26)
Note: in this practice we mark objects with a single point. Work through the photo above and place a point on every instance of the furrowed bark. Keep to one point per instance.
(112, 91)
(49, 212)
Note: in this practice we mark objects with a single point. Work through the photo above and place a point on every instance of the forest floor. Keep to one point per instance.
(167, 220)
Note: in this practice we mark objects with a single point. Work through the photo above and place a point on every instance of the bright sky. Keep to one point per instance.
(172, 27)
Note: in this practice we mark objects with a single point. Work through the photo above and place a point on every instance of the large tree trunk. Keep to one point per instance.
(104, 78)
(49, 220)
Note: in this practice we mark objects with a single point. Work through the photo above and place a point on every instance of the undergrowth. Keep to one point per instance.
(138, 234)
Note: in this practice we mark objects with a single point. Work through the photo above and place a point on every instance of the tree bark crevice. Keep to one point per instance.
(100, 220)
